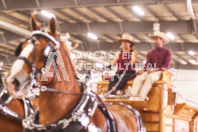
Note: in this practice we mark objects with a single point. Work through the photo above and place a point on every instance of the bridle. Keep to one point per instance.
(34, 85)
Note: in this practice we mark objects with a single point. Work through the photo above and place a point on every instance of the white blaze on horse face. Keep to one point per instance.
(18, 64)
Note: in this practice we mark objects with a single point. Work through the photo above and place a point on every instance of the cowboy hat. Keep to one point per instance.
(126, 37)
(160, 35)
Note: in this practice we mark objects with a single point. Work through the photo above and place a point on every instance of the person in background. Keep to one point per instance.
(125, 60)
(157, 60)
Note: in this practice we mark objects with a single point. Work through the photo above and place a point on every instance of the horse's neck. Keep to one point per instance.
(54, 106)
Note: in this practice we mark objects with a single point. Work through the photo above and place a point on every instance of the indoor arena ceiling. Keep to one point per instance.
(108, 19)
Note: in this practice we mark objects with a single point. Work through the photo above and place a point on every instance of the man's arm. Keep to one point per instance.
(167, 61)
(148, 60)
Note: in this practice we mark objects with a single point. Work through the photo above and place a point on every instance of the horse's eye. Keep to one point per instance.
(18, 50)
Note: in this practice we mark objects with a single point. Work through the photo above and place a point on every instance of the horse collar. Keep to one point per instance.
(77, 119)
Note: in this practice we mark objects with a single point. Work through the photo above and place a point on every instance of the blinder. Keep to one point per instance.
(19, 49)
(47, 50)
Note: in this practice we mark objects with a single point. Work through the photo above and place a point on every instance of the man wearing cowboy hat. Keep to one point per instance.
(125, 60)
(157, 60)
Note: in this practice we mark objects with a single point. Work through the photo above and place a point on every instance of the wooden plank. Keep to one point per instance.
(151, 117)
(137, 104)
(185, 110)
(162, 107)
(178, 117)
(189, 107)
(153, 103)
(178, 107)
(150, 127)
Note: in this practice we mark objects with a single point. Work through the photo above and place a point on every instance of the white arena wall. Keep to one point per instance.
(187, 85)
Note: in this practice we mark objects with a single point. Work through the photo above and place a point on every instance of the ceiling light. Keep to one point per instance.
(93, 36)
(144, 61)
(138, 10)
(191, 52)
(47, 14)
(170, 35)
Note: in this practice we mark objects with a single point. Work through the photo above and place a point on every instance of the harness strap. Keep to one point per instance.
(5, 99)
(26, 60)
(11, 114)
(111, 126)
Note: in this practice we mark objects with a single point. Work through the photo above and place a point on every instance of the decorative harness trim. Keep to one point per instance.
(82, 113)
(57, 43)
(5, 99)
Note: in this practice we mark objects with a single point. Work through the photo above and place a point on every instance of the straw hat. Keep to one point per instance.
(126, 37)
(161, 35)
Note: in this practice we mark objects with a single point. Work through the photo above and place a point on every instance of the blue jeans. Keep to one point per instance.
(114, 80)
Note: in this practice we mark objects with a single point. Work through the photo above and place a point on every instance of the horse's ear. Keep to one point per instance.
(34, 24)
(53, 26)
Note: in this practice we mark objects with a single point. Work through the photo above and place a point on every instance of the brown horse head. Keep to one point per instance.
(31, 52)
(52, 105)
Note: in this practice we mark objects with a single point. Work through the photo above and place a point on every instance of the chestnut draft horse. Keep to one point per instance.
(11, 110)
(59, 101)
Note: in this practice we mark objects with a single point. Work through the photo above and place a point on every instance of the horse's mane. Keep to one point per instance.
(67, 50)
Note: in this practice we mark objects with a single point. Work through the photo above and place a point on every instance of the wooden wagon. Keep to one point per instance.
(160, 113)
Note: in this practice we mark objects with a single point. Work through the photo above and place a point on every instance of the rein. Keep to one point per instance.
(44, 89)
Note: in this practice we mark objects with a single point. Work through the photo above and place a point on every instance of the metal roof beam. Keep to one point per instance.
(8, 36)
(52, 4)
(130, 27)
